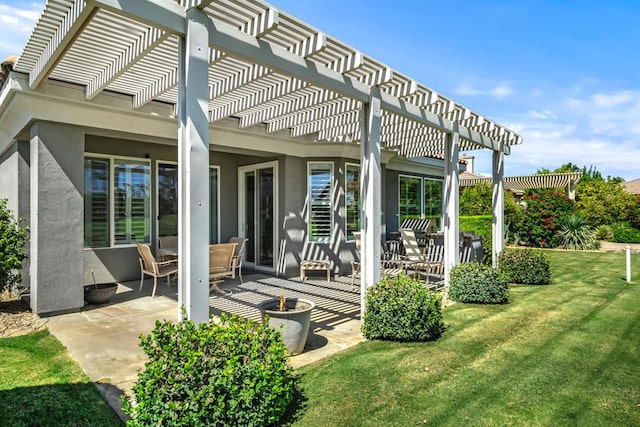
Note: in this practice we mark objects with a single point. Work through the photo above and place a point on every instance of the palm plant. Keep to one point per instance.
(575, 233)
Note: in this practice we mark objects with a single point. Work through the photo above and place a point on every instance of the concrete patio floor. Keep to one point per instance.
(104, 339)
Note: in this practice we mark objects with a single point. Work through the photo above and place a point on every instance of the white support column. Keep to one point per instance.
(370, 194)
(497, 229)
(193, 165)
(451, 204)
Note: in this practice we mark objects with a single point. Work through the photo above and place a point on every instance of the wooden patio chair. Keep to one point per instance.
(238, 256)
(220, 264)
(150, 267)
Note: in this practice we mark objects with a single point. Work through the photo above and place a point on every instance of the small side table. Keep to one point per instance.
(315, 265)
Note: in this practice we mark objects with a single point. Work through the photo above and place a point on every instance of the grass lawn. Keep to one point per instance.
(565, 354)
(41, 386)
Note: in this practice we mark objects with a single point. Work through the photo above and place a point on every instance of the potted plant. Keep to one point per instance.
(290, 316)
(99, 293)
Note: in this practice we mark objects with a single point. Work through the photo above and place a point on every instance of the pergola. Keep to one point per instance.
(567, 181)
(215, 59)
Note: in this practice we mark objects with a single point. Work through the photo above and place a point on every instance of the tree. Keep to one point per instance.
(604, 201)
(13, 239)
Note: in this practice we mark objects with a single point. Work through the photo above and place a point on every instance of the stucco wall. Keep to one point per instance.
(57, 223)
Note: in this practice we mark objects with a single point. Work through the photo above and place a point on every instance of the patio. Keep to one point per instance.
(104, 339)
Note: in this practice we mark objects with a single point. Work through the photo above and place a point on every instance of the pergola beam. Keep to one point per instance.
(144, 44)
(78, 16)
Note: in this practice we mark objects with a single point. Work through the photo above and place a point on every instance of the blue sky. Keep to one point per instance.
(564, 74)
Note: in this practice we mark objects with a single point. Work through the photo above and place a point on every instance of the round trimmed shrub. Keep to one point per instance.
(231, 373)
(401, 309)
(476, 283)
(524, 266)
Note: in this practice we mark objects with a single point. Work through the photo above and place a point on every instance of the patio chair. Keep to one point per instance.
(355, 264)
(150, 267)
(167, 248)
(415, 258)
(220, 264)
(238, 256)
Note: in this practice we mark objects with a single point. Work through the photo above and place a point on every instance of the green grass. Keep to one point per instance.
(40, 385)
(564, 354)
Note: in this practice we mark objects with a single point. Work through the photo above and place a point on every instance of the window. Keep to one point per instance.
(213, 205)
(352, 199)
(96, 202)
(410, 197)
(168, 201)
(433, 200)
(320, 219)
(420, 198)
(117, 201)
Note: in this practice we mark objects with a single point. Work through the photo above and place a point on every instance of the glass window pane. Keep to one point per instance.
(96, 202)
(433, 201)
(213, 205)
(410, 200)
(320, 206)
(352, 200)
(131, 186)
(167, 200)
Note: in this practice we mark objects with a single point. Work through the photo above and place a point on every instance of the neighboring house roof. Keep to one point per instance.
(632, 187)
(265, 67)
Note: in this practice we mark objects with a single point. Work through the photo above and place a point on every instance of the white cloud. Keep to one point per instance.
(610, 100)
(602, 130)
(17, 22)
(500, 91)
(545, 114)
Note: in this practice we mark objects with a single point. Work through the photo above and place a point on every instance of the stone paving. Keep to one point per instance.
(104, 339)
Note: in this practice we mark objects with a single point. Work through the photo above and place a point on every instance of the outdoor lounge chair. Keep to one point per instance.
(220, 263)
(413, 256)
(238, 256)
(150, 267)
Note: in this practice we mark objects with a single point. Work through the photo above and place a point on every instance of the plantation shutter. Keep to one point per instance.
(320, 206)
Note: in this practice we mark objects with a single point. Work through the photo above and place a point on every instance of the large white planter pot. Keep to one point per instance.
(293, 324)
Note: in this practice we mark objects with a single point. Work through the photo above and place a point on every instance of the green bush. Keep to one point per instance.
(623, 232)
(401, 309)
(481, 225)
(575, 233)
(477, 283)
(525, 266)
(13, 240)
(231, 373)
(604, 232)
(541, 218)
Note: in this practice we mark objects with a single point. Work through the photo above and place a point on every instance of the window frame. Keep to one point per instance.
(422, 195)
(346, 205)
(320, 165)
(111, 197)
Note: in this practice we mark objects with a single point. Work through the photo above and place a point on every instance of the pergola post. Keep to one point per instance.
(193, 166)
(370, 194)
(497, 223)
(451, 204)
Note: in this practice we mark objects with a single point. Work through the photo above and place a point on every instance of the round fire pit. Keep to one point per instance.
(99, 294)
